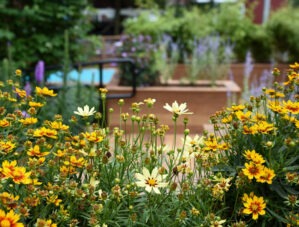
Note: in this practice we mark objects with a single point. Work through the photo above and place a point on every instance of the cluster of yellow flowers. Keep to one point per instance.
(50, 174)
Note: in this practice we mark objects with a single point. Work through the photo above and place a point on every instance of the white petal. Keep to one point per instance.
(148, 188)
(155, 172)
(156, 190)
(140, 177)
(140, 184)
(92, 110)
(86, 108)
(80, 110)
(145, 172)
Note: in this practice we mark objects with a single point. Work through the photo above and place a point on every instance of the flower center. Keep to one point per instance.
(255, 207)
(151, 182)
(254, 170)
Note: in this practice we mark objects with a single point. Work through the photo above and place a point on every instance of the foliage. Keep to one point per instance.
(284, 37)
(34, 30)
(260, 44)
(243, 174)
(141, 49)
(210, 60)
(166, 59)
(262, 152)
(235, 26)
(181, 28)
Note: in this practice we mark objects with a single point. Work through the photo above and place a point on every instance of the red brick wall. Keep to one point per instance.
(259, 8)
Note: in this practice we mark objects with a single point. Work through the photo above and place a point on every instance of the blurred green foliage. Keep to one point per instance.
(231, 22)
(34, 30)
(283, 29)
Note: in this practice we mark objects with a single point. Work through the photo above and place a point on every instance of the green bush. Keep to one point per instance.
(233, 26)
(284, 35)
(260, 44)
(34, 30)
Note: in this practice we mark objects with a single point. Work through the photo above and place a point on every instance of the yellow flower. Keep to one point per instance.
(276, 107)
(18, 72)
(10, 219)
(4, 123)
(58, 125)
(45, 132)
(243, 116)
(45, 223)
(294, 66)
(258, 117)
(265, 127)
(35, 151)
(236, 107)
(266, 176)
(35, 182)
(60, 153)
(211, 145)
(21, 93)
(35, 104)
(252, 170)
(54, 199)
(9, 200)
(28, 121)
(253, 156)
(66, 170)
(75, 162)
(7, 146)
(227, 120)
(291, 107)
(254, 205)
(44, 91)
(20, 176)
(95, 137)
(8, 167)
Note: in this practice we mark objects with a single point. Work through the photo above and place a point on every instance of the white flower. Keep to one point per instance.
(177, 109)
(85, 112)
(152, 181)
(195, 142)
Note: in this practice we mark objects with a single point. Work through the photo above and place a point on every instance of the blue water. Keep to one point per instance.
(86, 75)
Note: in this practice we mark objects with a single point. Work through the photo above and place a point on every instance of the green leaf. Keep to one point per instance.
(277, 216)
(291, 160)
(291, 168)
(279, 190)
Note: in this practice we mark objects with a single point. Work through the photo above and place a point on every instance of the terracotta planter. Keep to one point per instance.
(202, 99)
(238, 71)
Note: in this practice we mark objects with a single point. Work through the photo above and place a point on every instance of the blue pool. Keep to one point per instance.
(86, 76)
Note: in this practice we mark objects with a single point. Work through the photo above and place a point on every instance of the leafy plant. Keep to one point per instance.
(284, 38)
(56, 173)
(210, 60)
(141, 49)
(34, 30)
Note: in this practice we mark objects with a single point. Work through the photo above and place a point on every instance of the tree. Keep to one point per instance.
(34, 30)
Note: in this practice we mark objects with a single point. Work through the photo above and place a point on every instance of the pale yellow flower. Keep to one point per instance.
(151, 182)
(85, 112)
(177, 109)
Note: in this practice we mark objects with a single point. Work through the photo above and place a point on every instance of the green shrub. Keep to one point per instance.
(260, 44)
(284, 35)
(35, 30)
